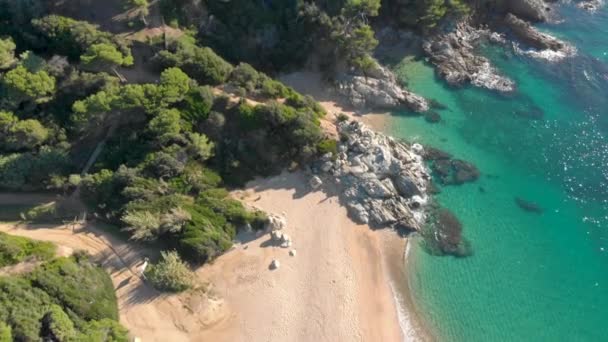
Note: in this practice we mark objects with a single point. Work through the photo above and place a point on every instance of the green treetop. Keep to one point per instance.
(105, 55)
(20, 86)
(7, 53)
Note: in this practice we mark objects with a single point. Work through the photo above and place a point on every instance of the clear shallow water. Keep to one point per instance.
(532, 277)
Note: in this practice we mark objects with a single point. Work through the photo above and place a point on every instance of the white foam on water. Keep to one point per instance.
(548, 54)
(403, 314)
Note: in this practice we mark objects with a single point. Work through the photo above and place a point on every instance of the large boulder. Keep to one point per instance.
(405, 186)
(315, 182)
(275, 223)
(533, 10)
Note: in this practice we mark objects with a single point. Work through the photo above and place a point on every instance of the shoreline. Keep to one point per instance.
(394, 249)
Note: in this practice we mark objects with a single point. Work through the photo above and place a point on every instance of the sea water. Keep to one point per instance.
(532, 277)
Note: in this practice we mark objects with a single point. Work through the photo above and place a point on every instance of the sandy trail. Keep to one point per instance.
(147, 313)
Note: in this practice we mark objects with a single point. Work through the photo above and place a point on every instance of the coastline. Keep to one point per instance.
(394, 249)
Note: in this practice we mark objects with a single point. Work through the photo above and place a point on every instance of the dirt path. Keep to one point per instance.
(148, 314)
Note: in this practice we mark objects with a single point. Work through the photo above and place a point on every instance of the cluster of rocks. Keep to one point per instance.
(453, 54)
(383, 181)
(274, 226)
(378, 89)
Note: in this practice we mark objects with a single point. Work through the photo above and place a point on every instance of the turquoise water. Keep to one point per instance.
(532, 277)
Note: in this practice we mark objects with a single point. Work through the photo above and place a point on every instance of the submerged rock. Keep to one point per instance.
(528, 206)
(454, 171)
(447, 235)
(432, 117)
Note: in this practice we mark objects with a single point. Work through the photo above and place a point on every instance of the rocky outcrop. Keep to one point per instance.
(543, 46)
(533, 10)
(383, 182)
(454, 56)
(531, 36)
(378, 89)
(590, 5)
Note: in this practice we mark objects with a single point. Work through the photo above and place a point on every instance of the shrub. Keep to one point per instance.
(327, 146)
(69, 37)
(23, 307)
(5, 332)
(15, 249)
(170, 273)
(104, 330)
(200, 63)
(7, 53)
(57, 326)
(79, 285)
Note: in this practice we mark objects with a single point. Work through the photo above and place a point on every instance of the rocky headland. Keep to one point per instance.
(453, 50)
(383, 182)
(453, 53)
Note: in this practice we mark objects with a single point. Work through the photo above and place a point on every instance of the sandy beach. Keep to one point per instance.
(335, 288)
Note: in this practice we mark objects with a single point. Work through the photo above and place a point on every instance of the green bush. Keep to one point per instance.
(6, 334)
(257, 84)
(328, 146)
(57, 326)
(104, 330)
(200, 63)
(69, 37)
(170, 273)
(15, 249)
(66, 279)
(23, 307)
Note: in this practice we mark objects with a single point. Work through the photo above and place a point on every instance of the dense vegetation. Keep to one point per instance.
(168, 149)
(333, 35)
(15, 249)
(65, 299)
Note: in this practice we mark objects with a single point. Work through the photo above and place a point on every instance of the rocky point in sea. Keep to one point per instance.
(383, 182)
(386, 183)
